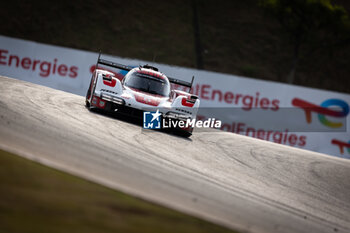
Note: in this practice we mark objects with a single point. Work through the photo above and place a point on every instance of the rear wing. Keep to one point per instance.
(128, 68)
(112, 64)
(181, 82)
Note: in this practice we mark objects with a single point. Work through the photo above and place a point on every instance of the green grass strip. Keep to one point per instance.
(35, 198)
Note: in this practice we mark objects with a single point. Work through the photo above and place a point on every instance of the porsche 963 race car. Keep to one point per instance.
(142, 89)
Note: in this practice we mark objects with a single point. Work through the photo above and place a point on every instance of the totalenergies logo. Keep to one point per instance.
(341, 145)
(323, 110)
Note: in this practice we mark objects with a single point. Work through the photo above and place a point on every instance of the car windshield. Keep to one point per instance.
(148, 83)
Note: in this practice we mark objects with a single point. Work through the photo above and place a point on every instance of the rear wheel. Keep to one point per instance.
(87, 104)
(88, 95)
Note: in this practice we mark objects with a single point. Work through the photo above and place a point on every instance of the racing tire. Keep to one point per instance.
(87, 104)
(182, 133)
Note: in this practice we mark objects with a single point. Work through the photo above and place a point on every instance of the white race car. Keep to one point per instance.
(143, 89)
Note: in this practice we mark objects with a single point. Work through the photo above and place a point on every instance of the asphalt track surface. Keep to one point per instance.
(242, 183)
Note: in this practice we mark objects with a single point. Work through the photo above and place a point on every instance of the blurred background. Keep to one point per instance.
(302, 42)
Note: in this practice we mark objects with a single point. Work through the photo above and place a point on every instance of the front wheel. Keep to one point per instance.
(183, 133)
